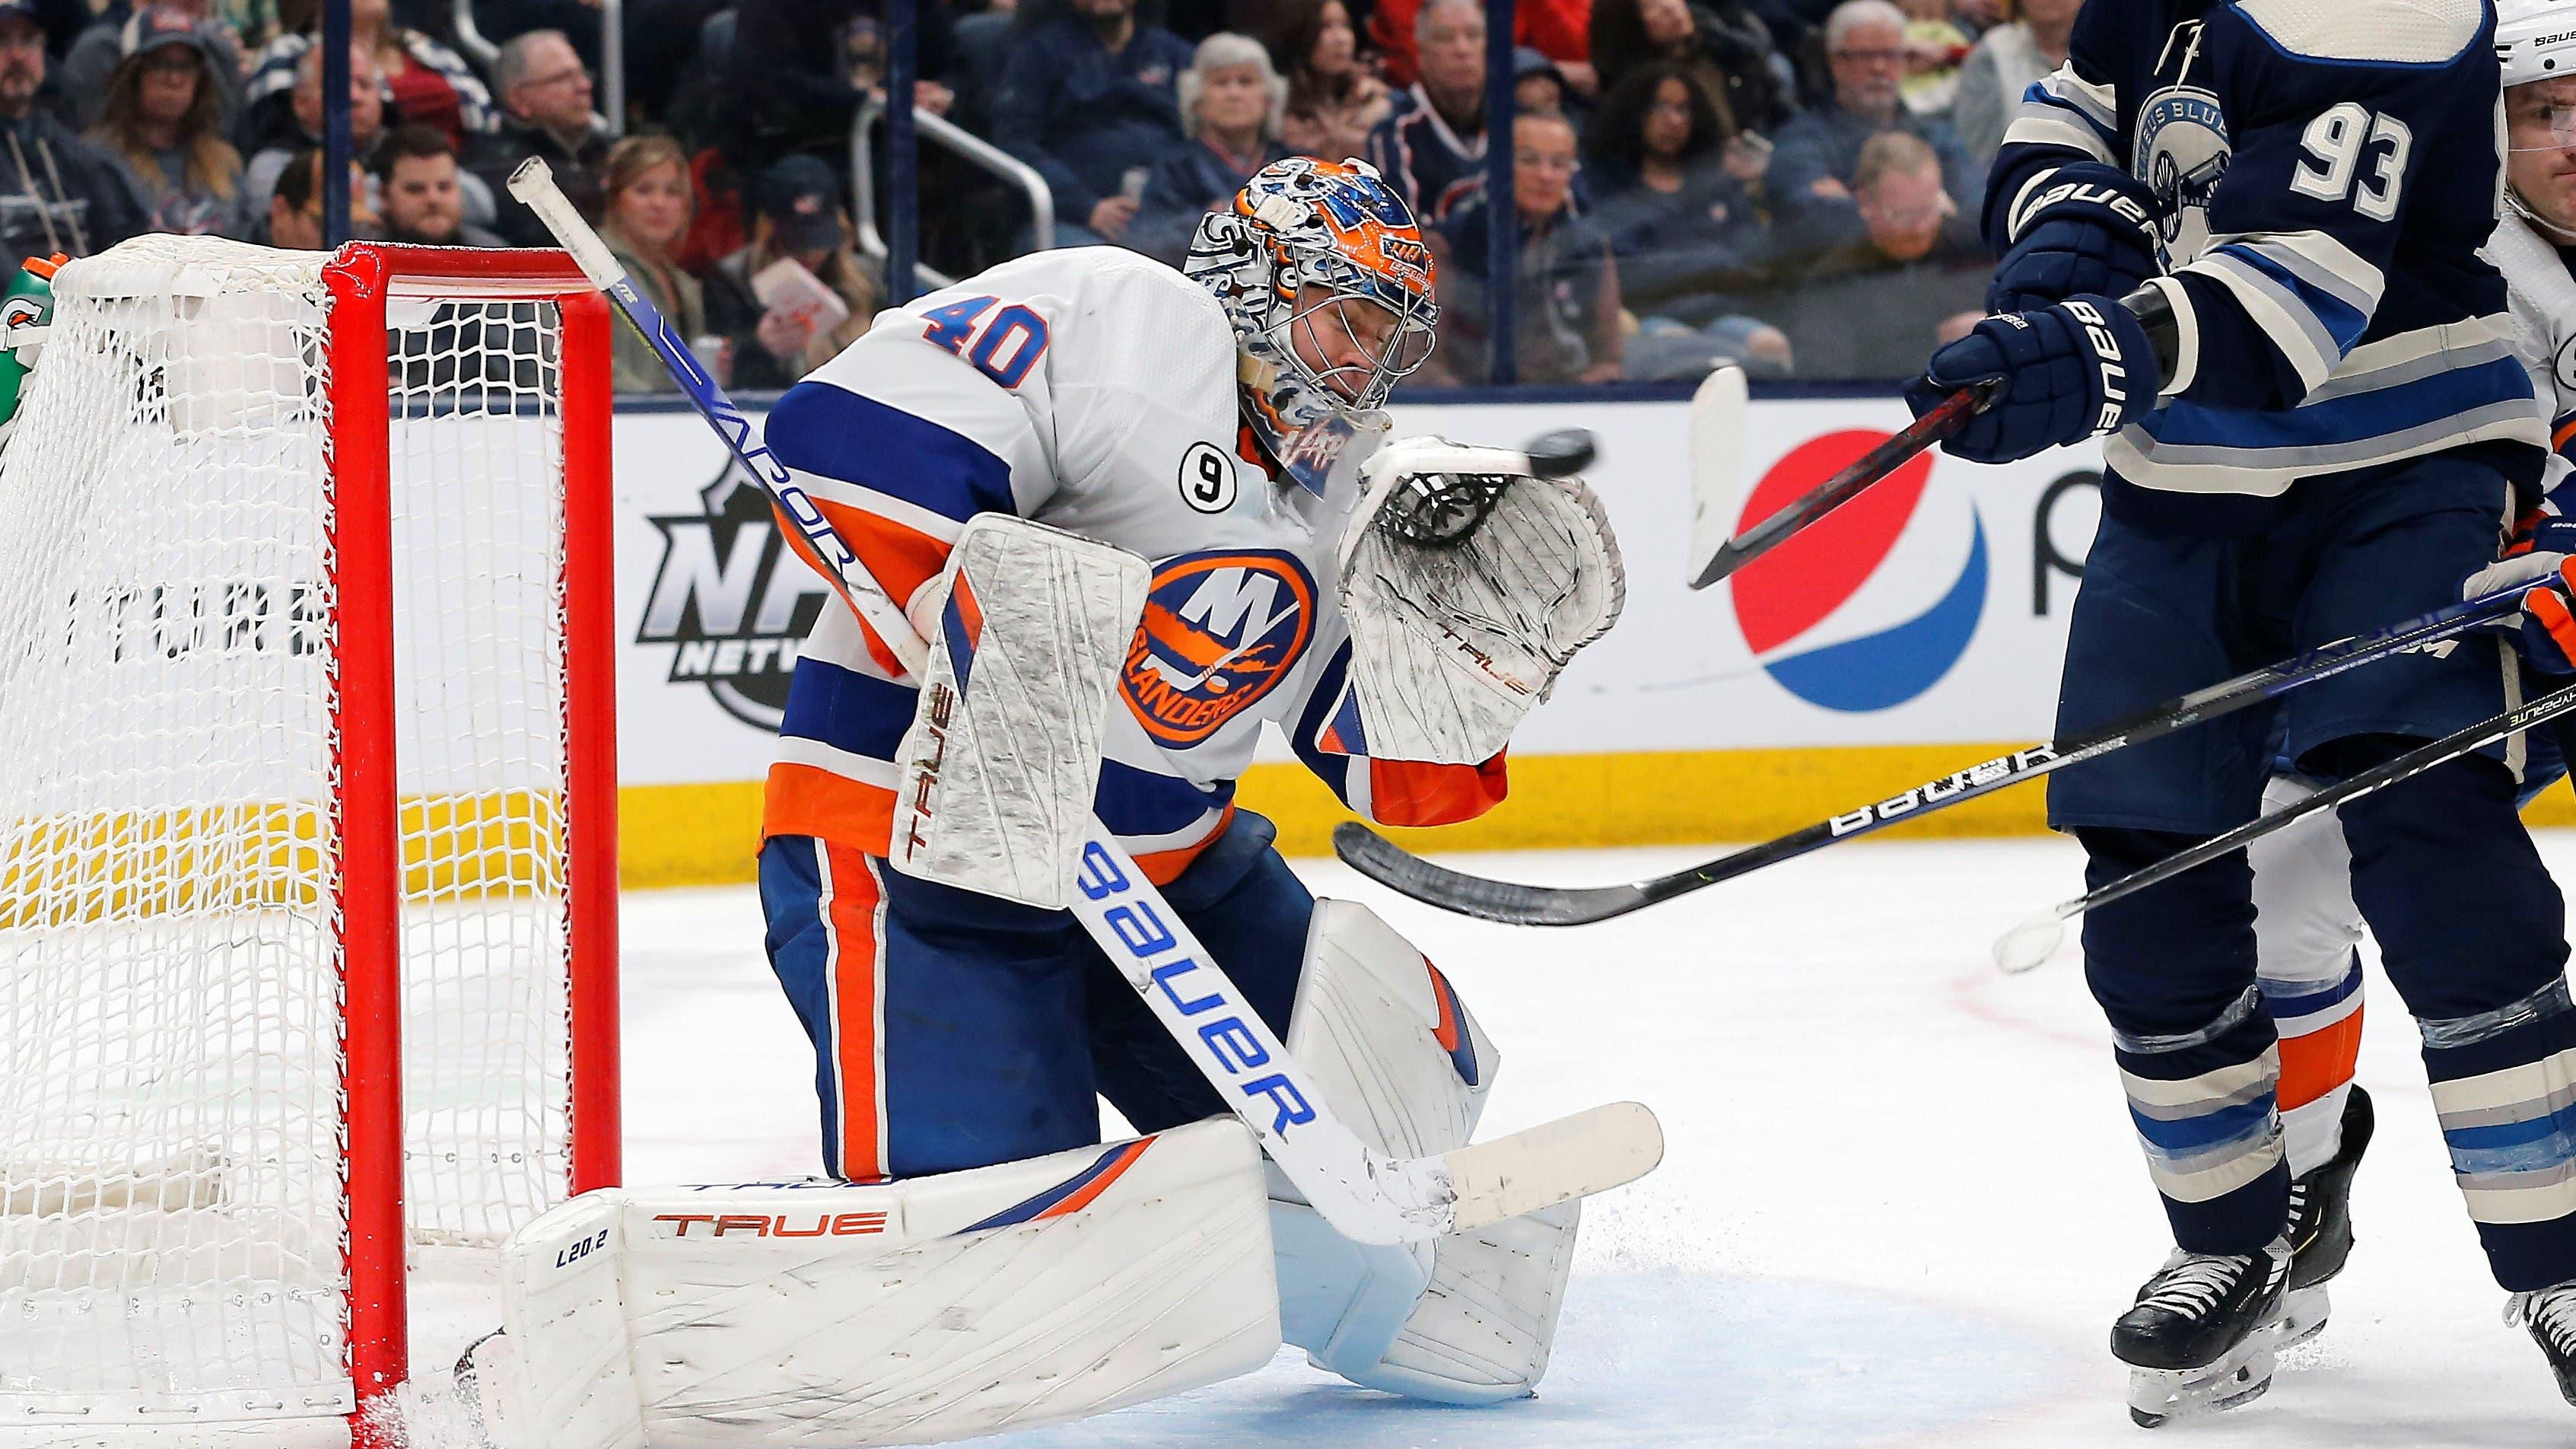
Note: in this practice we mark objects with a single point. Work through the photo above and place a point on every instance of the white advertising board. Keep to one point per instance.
(1931, 611)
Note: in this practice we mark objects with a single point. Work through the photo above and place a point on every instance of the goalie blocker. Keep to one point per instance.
(1038, 1291)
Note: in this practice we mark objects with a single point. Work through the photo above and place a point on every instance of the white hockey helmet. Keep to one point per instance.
(1335, 226)
(2535, 40)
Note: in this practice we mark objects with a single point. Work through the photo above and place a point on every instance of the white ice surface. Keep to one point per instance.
(1901, 1203)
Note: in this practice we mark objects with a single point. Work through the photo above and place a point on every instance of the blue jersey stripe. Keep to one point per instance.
(1133, 802)
(819, 428)
(847, 710)
(2353, 417)
(2037, 93)
(2343, 322)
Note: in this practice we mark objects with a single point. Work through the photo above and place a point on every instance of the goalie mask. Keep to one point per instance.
(1328, 284)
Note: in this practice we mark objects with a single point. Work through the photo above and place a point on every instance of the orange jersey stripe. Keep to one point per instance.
(808, 800)
(1409, 792)
(2564, 431)
(1163, 867)
(2317, 1063)
(855, 908)
(885, 657)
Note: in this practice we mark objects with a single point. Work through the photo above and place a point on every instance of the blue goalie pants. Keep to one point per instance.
(953, 1030)
(2471, 929)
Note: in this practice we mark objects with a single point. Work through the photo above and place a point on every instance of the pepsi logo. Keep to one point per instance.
(1827, 616)
(1221, 630)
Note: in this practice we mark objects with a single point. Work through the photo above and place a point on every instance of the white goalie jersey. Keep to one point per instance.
(1093, 390)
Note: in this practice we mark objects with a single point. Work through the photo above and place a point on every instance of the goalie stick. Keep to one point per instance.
(1368, 1196)
(2035, 940)
(1389, 864)
(1864, 473)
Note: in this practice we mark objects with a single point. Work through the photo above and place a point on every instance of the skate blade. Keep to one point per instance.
(2159, 1396)
(2303, 1315)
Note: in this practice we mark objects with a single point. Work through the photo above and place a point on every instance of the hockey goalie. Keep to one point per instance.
(1137, 514)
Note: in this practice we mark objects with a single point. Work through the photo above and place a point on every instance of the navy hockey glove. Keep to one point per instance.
(2084, 228)
(2069, 372)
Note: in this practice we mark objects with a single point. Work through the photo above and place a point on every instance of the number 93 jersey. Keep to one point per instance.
(2323, 173)
(1094, 390)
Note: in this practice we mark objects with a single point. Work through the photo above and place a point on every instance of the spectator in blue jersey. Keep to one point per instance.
(1565, 313)
(1230, 105)
(1433, 148)
(1819, 150)
(1092, 101)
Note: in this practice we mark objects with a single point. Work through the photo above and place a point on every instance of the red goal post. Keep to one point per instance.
(362, 278)
(308, 868)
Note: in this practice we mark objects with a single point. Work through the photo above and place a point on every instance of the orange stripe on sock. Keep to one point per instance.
(858, 999)
(2317, 1063)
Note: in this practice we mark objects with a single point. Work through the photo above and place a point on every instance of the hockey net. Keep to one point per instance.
(306, 813)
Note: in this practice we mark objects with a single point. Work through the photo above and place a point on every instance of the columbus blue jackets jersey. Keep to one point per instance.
(2324, 173)
(1094, 390)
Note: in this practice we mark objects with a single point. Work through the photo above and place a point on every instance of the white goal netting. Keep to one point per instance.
(173, 1201)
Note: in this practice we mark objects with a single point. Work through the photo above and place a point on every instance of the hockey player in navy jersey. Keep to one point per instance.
(2239, 244)
(1392, 610)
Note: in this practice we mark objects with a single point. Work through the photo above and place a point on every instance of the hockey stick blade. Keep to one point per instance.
(1716, 455)
(1391, 865)
(2018, 950)
(1592, 1151)
(1864, 473)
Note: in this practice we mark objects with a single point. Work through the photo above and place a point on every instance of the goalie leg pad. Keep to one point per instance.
(1028, 627)
(1467, 1319)
(905, 1312)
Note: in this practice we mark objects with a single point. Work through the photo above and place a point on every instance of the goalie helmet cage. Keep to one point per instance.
(307, 818)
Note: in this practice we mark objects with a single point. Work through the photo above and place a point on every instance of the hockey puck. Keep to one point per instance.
(1556, 454)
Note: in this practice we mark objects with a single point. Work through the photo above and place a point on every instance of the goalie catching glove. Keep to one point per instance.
(1467, 584)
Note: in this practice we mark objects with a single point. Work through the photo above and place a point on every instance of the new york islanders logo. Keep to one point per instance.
(1221, 630)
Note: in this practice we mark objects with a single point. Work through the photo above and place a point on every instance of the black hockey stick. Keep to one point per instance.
(2035, 940)
(1865, 471)
(1389, 864)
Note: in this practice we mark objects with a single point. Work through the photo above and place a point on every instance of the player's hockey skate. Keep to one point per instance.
(2203, 1332)
(2321, 1224)
(2550, 1314)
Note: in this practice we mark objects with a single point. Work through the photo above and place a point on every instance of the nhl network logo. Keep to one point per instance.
(732, 599)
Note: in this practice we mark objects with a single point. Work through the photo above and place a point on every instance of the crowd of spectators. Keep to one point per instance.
(1787, 184)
